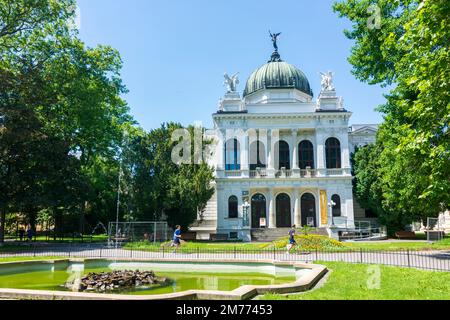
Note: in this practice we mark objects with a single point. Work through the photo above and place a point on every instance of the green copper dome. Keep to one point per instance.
(277, 75)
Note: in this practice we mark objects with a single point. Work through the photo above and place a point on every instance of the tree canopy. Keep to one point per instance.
(63, 120)
(409, 52)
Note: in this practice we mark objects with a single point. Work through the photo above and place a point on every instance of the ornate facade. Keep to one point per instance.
(280, 157)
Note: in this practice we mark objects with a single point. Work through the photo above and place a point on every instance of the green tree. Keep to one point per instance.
(58, 98)
(156, 187)
(410, 51)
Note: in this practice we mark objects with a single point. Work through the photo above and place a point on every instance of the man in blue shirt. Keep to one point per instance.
(292, 242)
(176, 238)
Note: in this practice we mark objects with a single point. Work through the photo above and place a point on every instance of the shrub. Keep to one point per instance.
(307, 242)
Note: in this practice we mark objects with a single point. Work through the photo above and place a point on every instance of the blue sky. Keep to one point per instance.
(176, 51)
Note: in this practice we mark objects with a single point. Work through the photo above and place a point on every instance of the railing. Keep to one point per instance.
(233, 173)
(430, 260)
(283, 174)
(258, 173)
(295, 173)
(367, 233)
(308, 173)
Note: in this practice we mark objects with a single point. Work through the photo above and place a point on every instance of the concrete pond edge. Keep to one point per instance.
(246, 292)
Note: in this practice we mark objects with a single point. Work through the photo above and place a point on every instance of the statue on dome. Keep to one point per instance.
(274, 39)
(327, 81)
(231, 82)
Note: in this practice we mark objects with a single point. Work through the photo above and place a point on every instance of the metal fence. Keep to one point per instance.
(122, 232)
(429, 260)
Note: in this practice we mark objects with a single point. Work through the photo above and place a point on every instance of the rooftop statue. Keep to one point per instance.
(327, 81)
(231, 82)
(274, 37)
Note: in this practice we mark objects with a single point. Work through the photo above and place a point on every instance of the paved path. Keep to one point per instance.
(430, 260)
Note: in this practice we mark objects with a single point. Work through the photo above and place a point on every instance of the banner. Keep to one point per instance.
(323, 208)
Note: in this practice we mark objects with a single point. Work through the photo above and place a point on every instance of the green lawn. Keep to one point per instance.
(12, 259)
(412, 245)
(86, 238)
(350, 282)
(381, 246)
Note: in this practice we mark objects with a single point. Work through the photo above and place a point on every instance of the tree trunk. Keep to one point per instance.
(81, 226)
(56, 223)
(2, 224)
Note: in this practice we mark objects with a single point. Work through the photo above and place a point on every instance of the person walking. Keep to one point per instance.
(21, 234)
(292, 242)
(30, 234)
(176, 242)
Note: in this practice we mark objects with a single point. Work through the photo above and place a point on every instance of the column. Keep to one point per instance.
(320, 154)
(297, 215)
(294, 161)
(345, 152)
(270, 154)
(220, 158)
(244, 154)
(272, 213)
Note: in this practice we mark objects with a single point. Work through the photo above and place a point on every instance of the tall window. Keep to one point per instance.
(232, 155)
(306, 154)
(284, 157)
(337, 207)
(232, 207)
(333, 153)
(257, 155)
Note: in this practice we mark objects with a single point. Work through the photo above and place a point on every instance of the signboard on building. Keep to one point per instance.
(262, 222)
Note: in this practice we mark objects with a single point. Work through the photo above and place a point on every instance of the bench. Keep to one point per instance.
(218, 237)
(189, 236)
(405, 234)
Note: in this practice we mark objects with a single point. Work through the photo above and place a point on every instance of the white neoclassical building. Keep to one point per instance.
(280, 157)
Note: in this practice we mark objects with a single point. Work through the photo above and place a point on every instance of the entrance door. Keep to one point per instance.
(308, 210)
(283, 207)
(258, 209)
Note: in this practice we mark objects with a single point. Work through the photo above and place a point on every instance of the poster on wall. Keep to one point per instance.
(262, 222)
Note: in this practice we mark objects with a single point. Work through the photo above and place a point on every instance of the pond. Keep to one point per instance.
(183, 275)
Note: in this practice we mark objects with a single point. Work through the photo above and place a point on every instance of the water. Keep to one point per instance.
(54, 280)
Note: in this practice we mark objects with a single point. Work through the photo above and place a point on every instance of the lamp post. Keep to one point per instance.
(125, 140)
(245, 217)
(332, 204)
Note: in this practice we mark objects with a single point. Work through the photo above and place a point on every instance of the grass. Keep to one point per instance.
(350, 282)
(310, 242)
(13, 259)
(193, 245)
(444, 244)
(49, 239)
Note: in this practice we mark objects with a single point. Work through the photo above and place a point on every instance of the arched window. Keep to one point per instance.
(333, 153)
(337, 207)
(284, 158)
(305, 155)
(232, 155)
(232, 207)
(257, 155)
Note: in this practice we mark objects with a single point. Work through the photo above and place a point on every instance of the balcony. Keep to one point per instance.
(258, 173)
(284, 173)
(233, 173)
